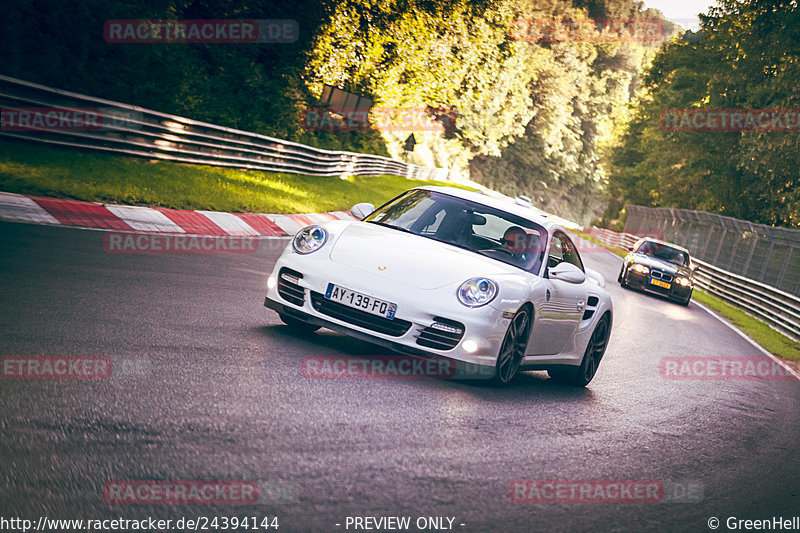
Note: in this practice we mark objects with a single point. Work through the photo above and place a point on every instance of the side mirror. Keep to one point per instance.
(630, 248)
(695, 269)
(567, 272)
(362, 210)
(596, 276)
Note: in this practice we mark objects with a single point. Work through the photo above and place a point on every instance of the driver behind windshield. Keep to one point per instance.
(522, 245)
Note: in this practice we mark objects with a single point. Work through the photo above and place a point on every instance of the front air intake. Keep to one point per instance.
(591, 307)
(443, 334)
(289, 287)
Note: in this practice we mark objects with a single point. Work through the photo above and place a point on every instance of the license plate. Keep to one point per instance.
(360, 301)
(659, 283)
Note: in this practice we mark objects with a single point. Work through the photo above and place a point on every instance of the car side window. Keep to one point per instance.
(555, 254)
(571, 252)
(563, 250)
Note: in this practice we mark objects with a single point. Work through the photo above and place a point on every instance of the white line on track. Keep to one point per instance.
(760, 348)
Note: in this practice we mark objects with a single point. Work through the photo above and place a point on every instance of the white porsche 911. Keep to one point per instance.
(439, 271)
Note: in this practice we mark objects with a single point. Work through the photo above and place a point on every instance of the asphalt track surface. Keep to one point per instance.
(206, 385)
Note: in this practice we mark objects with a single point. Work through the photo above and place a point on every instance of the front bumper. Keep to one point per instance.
(483, 327)
(459, 370)
(641, 281)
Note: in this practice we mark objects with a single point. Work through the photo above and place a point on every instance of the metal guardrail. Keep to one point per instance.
(777, 308)
(135, 131)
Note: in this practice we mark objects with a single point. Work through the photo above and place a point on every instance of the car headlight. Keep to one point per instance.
(641, 268)
(476, 292)
(684, 282)
(309, 239)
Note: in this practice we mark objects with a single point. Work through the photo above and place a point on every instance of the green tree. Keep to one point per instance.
(745, 57)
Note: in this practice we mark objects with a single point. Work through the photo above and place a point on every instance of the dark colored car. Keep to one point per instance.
(660, 267)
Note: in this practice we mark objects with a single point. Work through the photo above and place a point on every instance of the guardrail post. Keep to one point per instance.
(719, 246)
(785, 266)
(708, 240)
(766, 261)
(750, 254)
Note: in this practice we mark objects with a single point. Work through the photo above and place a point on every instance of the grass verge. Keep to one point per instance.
(758, 330)
(38, 169)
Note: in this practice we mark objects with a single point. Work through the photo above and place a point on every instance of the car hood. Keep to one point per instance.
(410, 259)
(664, 266)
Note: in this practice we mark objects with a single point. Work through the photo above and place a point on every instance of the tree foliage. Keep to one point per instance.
(745, 57)
(532, 116)
(257, 87)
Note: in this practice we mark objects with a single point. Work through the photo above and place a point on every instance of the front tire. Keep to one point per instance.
(688, 299)
(298, 326)
(512, 350)
(595, 349)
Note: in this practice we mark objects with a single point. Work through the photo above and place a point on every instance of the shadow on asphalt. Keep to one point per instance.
(322, 341)
(329, 343)
(653, 295)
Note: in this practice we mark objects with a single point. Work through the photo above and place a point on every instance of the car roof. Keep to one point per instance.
(659, 241)
(508, 206)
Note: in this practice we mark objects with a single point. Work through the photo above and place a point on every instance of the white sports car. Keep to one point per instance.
(492, 285)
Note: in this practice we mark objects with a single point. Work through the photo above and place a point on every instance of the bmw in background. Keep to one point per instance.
(659, 267)
(440, 271)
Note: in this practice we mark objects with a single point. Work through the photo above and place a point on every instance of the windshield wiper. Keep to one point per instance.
(398, 228)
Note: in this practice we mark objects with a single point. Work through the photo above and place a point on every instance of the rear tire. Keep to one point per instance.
(298, 326)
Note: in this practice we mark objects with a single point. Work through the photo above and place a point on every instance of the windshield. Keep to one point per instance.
(475, 227)
(664, 252)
